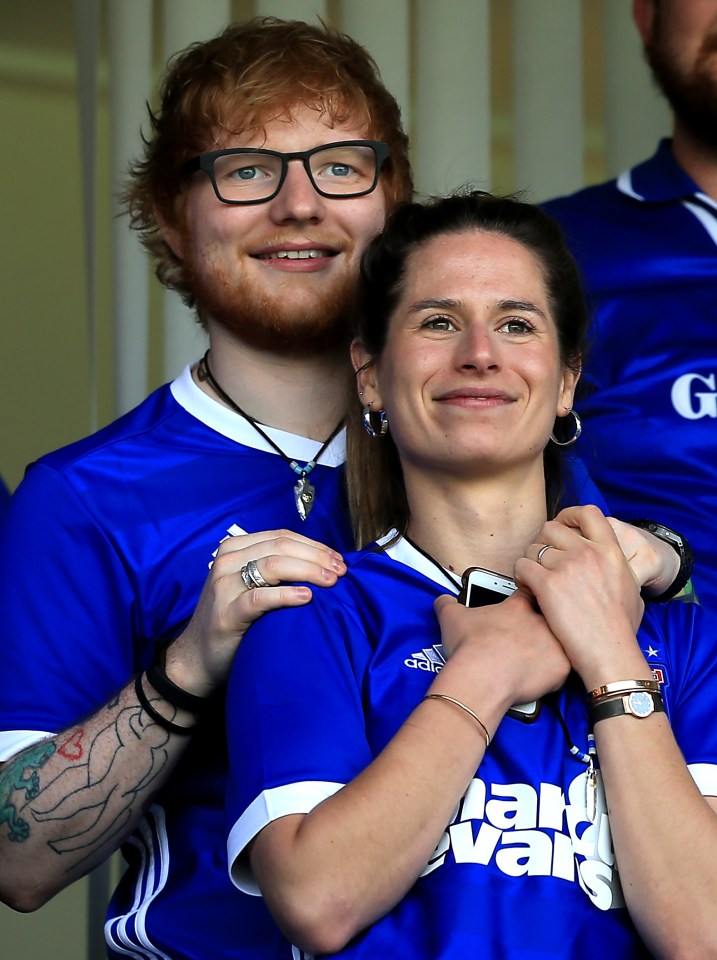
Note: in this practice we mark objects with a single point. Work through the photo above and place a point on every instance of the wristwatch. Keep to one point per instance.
(681, 547)
(639, 703)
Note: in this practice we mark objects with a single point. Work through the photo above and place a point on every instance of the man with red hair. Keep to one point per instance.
(272, 160)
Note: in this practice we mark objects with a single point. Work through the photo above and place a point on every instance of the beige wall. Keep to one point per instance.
(58, 931)
(43, 343)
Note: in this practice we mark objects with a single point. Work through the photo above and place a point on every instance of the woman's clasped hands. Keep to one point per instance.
(587, 591)
(577, 606)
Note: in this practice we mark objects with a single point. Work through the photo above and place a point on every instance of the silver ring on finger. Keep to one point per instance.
(542, 551)
(252, 577)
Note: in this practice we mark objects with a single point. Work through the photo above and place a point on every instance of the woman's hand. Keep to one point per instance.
(588, 593)
(507, 646)
(199, 659)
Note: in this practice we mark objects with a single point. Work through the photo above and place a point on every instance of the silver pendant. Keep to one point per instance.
(304, 492)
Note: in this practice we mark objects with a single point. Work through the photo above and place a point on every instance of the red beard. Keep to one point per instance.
(271, 323)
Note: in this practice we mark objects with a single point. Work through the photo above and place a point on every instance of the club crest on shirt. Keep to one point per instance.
(653, 655)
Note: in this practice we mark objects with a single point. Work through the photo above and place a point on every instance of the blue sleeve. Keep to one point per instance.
(66, 602)
(295, 713)
(690, 680)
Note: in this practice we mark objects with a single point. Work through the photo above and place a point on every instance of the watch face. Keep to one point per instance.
(641, 704)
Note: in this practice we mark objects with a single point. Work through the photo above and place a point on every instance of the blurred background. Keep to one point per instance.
(539, 95)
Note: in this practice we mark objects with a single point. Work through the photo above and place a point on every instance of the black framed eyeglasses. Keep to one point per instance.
(345, 169)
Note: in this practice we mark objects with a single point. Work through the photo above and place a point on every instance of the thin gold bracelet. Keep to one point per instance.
(462, 706)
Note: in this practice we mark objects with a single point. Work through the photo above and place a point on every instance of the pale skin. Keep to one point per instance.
(116, 760)
(472, 344)
(294, 393)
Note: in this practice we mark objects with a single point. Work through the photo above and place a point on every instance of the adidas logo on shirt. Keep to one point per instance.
(430, 659)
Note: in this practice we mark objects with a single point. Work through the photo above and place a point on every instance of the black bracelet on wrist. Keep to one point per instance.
(167, 689)
(638, 703)
(681, 547)
(154, 714)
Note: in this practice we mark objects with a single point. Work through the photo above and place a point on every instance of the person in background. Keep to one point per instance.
(647, 245)
(382, 799)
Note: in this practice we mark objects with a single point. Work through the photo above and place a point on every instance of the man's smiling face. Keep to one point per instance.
(279, 275)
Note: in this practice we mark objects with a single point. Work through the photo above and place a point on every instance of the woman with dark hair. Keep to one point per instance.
(387, 796)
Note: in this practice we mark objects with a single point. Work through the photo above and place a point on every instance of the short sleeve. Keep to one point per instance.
(690, 686)
(295, 716)
(66, 604)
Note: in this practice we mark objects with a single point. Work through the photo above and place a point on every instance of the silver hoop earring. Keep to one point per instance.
(571, 441)
(382, 421)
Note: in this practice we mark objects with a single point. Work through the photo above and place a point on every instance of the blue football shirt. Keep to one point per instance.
(520, 873)
(104, 552)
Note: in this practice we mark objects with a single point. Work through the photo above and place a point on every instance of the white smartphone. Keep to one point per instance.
(479, 588)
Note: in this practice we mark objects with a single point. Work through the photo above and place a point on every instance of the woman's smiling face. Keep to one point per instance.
(471, 376)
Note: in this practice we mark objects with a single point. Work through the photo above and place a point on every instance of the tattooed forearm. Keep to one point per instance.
(19, 784)
(68, 802)
(97, 798)
(96, 786)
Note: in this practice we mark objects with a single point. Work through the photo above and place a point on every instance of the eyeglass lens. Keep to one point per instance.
(337, 171)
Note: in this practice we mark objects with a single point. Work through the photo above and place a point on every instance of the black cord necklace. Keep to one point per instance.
(451, 578)
(591, 781)
(304, 490)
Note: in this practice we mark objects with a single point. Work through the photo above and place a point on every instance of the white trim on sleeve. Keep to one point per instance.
(13, 741)
(705, 776)
(271, 805)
